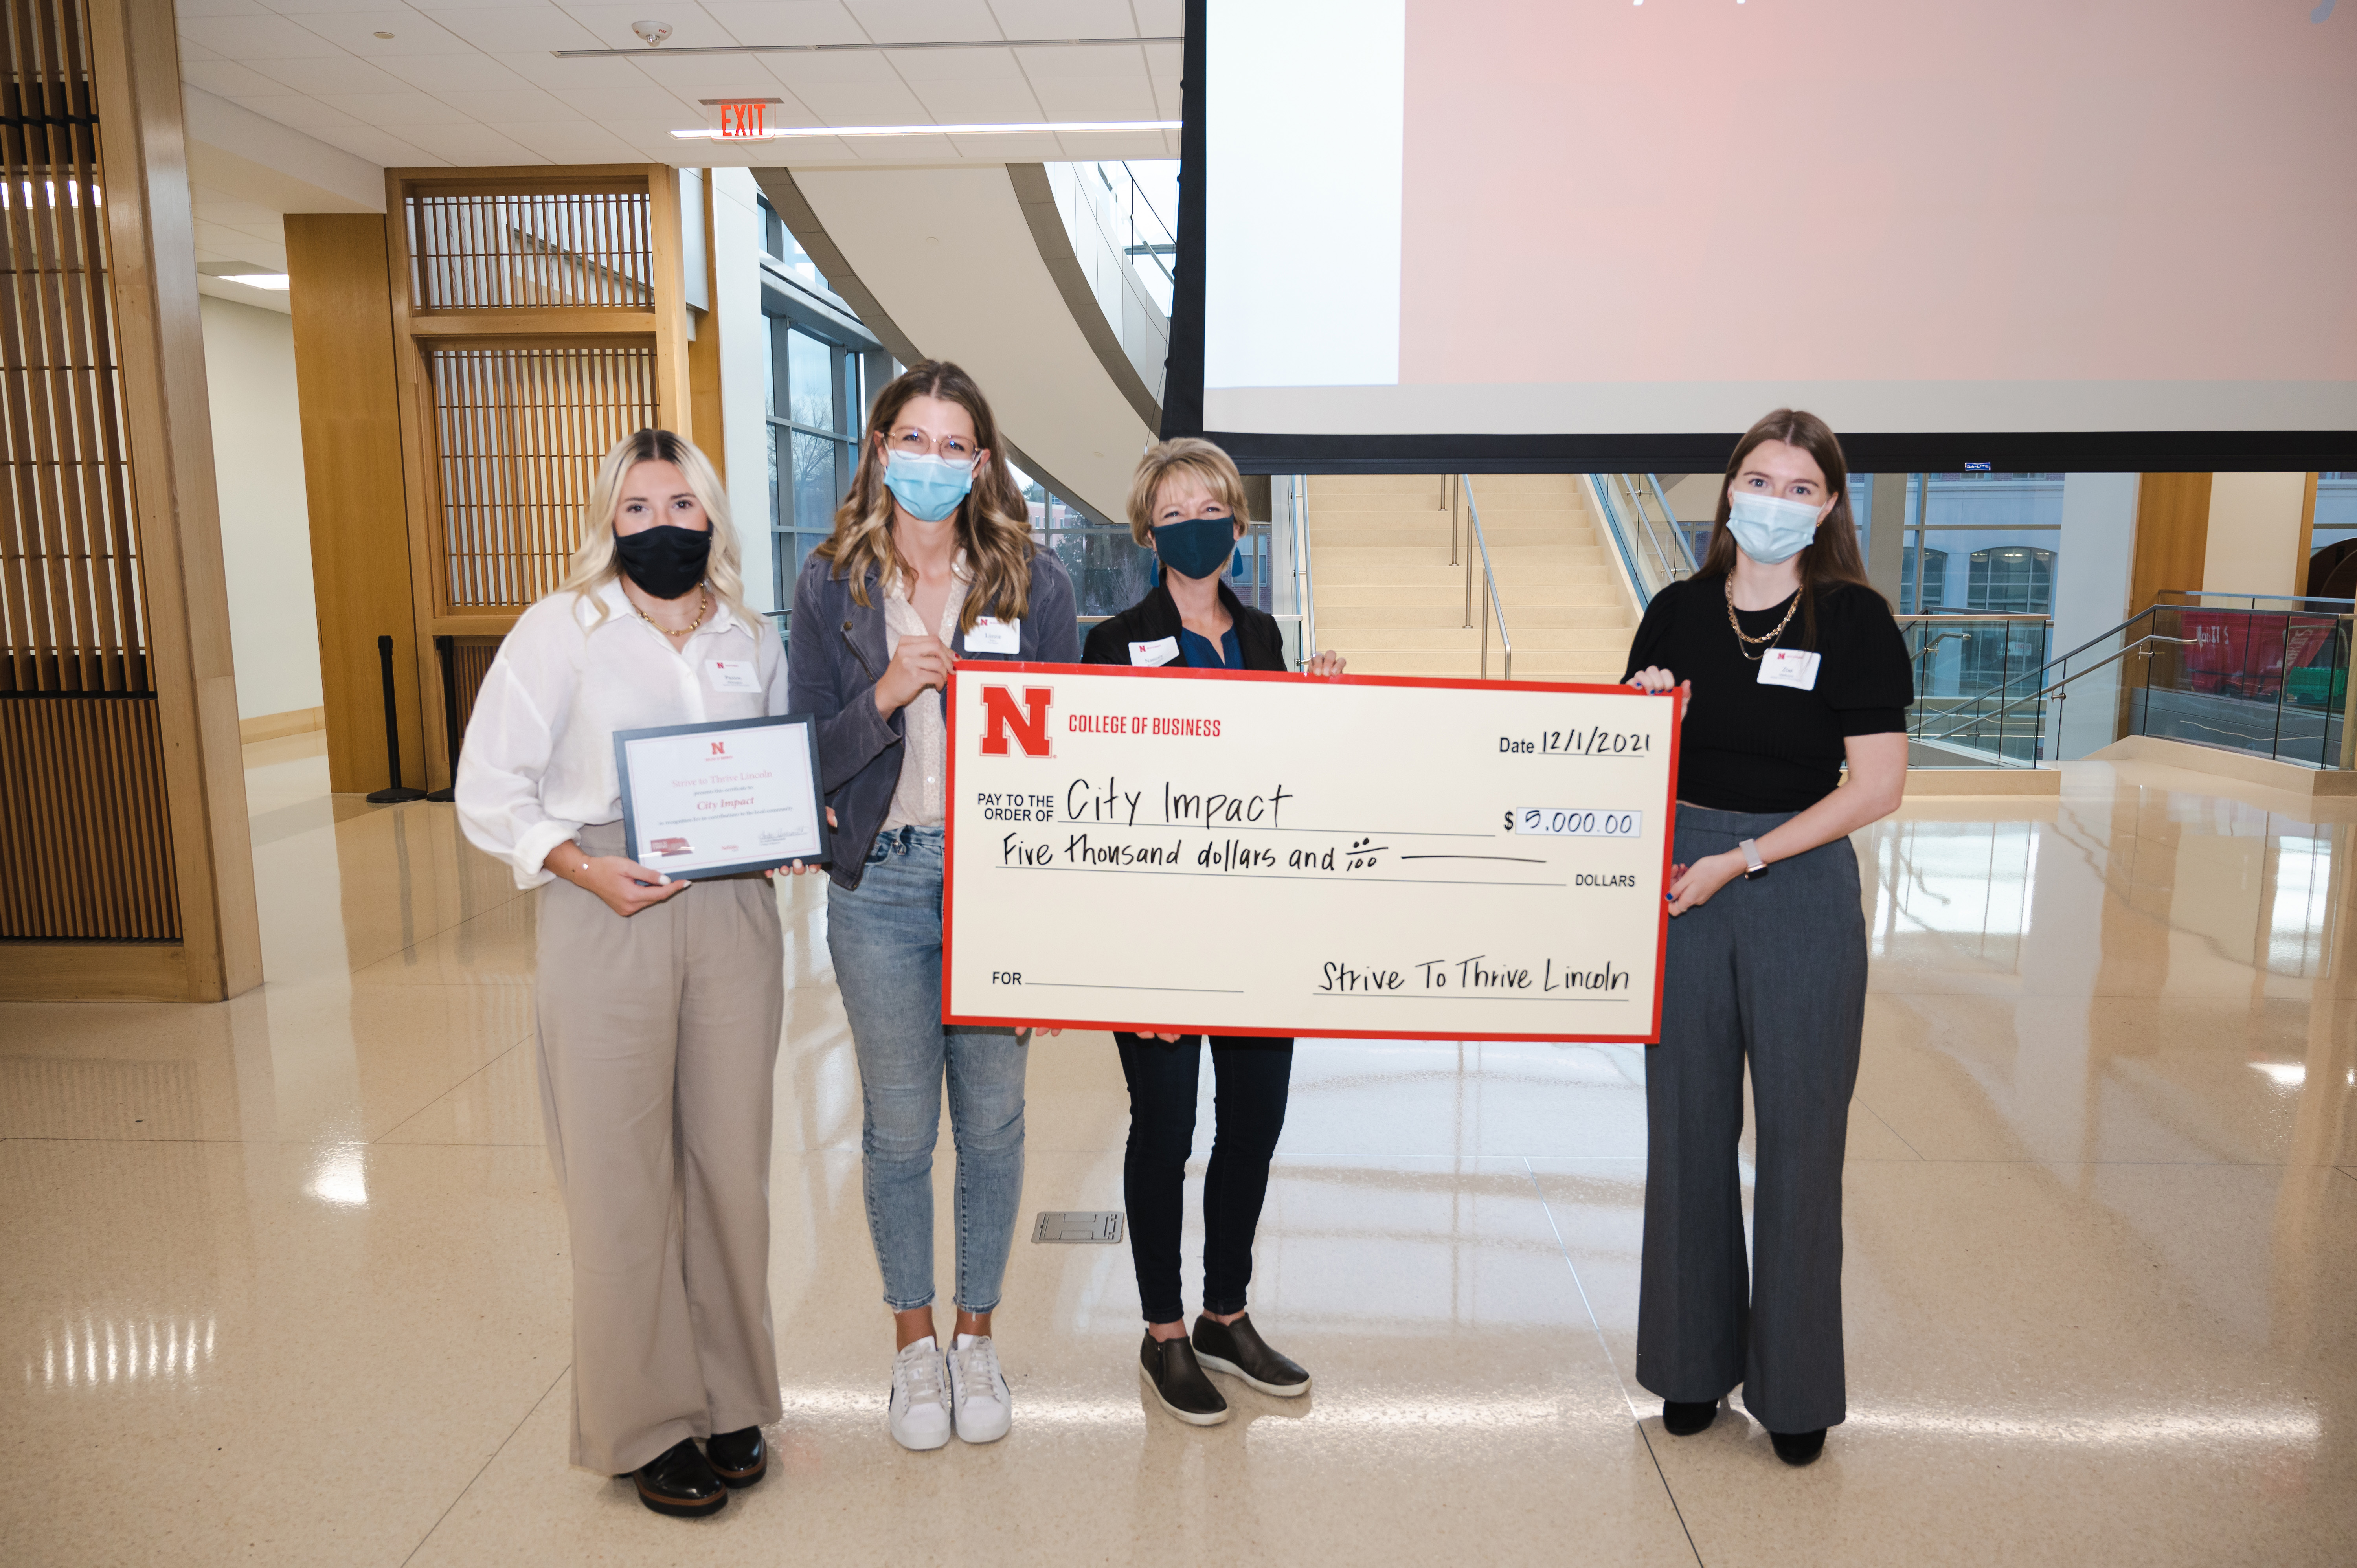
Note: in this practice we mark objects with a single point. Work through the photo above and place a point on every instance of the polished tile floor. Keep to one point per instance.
(284, 1281)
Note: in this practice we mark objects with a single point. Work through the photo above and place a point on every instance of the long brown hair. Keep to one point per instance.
(1832, 556)
(994, 521)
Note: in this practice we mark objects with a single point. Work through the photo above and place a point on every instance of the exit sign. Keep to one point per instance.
(742, 119)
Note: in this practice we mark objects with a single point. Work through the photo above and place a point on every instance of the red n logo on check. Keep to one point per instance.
(1028, 723)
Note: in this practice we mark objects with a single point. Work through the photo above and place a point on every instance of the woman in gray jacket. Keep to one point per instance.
(932, 560)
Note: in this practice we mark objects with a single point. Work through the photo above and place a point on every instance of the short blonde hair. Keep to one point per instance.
(1197, 459)
(596, 563)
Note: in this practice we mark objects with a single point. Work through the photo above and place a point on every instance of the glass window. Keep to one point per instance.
(1978, 518)
(813, 387)
(2016, 580)
(1933, 564)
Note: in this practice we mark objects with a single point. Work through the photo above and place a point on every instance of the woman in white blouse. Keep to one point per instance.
(659, 1001)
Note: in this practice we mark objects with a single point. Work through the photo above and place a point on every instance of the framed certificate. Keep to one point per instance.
(715, 798)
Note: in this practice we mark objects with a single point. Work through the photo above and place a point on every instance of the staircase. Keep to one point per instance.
(1387, 597)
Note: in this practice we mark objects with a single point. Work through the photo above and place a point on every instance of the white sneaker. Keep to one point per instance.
(978, 1392)
(918, 1416)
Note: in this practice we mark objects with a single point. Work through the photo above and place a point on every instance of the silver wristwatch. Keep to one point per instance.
(1754, 867)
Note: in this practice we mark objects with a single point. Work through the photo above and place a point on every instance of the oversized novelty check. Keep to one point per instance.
(1262, 853)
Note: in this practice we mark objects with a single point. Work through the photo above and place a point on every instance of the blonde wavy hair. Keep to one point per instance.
(1197, 459)
(593, 564)
(994, 521)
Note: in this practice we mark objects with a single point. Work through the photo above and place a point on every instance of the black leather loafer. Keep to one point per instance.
(1798, 1447)
(739, 1458)
(1684, 1418)
(1170, 1369)
(1237, 1350)
(680, 1482)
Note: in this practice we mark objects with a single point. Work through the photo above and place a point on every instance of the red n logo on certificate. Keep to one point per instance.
(1029, 722)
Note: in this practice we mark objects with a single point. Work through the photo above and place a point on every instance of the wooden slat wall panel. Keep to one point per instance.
(520, 430)
(519, 249)
(83, 827)
(70, 613)
(470, 661)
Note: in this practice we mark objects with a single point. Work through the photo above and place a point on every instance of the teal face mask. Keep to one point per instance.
(927, 487)
(1770, 528)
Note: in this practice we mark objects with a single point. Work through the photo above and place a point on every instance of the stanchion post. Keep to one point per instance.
(445, 648)
(396, 793)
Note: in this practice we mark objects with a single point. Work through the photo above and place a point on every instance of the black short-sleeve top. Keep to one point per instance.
(1749, 746)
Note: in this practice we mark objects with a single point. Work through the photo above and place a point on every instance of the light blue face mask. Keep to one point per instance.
(1769, 528)
(927, 486)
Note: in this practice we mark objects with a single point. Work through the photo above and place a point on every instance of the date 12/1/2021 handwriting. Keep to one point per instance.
(1597, 742)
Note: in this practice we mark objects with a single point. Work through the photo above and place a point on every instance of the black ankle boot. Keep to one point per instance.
(679, 1482)
(1798, 1447)
(739, 1458)
(1684, 1418)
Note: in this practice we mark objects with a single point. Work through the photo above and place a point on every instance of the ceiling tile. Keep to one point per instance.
(917, 66)
(472, 144)
(235, 211)
(1065, 98)
(221, 8)
(860, 70)
(299, 8)
(537, 26)
(250, 39)
(978, 104)
(457, 73)
(412, 33)
(924, 21)
(1087, 65)
(389, 108)
(325, 72)
(1114, 146)
(786, 21)
(380, 148)
(225, 77)
(1065, 18)
(643, 102)
(529, 105)
(1161, 18)
(903, 149)
(191, 49)
(293, 109)
(709, 76)
(863, 105)
(689, 27)
(571, 142)
(541, 70)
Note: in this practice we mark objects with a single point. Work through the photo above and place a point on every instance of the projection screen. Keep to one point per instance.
(1569, 228)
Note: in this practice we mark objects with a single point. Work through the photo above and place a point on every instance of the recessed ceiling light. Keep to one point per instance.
(276, 281)
(1034, 128)
(384, 34)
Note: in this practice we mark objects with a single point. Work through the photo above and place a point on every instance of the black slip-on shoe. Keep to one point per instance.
(679, 1482)
(739, 1458)
(1684, 1418)
(1170, 1369)
(1798, 1447)
(1237, 1350)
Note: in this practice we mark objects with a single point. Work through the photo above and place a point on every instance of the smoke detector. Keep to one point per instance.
(653, 32)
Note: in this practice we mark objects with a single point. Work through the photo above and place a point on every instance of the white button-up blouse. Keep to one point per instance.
(538, 763)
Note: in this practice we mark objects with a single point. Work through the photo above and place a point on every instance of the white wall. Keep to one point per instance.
(2091, 597)
(744, 347)
(265, 526)
(2253, 544)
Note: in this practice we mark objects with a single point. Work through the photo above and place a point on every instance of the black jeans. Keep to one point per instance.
(1251, 1076)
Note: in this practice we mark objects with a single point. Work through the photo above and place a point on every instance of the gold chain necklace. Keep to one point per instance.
(1741, 637)
(704, 608)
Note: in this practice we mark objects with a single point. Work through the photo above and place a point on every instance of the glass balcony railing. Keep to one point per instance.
(1970, 675)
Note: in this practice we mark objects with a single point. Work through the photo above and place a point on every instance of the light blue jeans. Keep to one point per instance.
(886, 940)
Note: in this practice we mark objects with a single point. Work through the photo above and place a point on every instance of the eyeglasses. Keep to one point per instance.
(917, 443)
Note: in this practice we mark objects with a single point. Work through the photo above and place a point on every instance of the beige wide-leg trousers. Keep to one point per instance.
(658, 1040)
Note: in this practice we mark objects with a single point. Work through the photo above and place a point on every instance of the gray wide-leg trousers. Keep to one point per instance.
(1771, 971)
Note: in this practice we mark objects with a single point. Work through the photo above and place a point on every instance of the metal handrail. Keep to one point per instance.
(2135, 647)
(1676, 559)
(1301, 592)
(1492, 603)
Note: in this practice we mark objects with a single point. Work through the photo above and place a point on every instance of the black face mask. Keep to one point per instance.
(665, 561)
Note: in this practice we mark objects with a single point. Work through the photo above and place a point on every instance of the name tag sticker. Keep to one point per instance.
(1161, 650)
(732, 674)
(991, 635)
(1790, 667)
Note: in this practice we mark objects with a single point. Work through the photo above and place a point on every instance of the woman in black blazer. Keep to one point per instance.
(1187, 502)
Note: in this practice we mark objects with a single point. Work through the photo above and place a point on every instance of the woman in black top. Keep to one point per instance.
(1188, 502)
(1793, 667)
